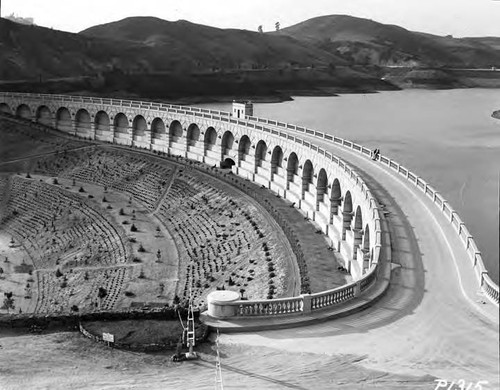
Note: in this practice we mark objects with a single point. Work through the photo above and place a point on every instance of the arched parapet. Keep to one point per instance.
(44, 115)
(84, 127)
(308, 190)
(141, 135)
(246, 164)
(158, 135)
(64, 121)
(102, 124)
(228, 147)
(5, 108)
(24, 111)
(194, 143)
(176, 138)
(278, 170)
(211, 154)
(262, 164)
(122, 132)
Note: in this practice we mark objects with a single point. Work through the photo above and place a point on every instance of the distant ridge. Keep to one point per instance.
(363, 41)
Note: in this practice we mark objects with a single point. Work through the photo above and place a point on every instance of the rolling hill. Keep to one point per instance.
(208, 46)
(366, 42)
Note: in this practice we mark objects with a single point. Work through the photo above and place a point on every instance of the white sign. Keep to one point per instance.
(108, 337)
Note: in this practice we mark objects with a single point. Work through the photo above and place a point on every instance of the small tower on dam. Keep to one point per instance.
(241, 110)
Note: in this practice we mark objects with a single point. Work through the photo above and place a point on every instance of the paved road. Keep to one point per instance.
(431, 321)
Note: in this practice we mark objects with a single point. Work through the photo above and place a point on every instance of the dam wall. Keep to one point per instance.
(270, 153)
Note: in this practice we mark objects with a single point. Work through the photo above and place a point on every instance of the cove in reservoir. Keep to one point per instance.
(447, 137)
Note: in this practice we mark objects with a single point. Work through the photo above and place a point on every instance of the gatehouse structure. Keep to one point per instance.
(272, 154)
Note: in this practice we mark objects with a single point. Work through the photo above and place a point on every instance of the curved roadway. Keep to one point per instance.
(433, 319)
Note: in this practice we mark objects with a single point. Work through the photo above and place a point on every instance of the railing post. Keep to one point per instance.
(306, 303)
(482, 277)
(357, 289)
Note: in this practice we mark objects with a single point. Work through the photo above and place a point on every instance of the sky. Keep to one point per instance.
(442, 17)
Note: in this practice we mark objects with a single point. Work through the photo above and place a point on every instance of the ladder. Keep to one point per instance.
(219, 385)
(190, 332)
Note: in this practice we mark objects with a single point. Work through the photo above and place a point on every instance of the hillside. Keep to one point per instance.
(139, 56)
(30, 52)
(362, 41)
(208, 46)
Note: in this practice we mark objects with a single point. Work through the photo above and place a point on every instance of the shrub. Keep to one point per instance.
(58, 273)
(133, 228)
(81, 189)
(74, 308)
(102, 292)
(141, 249)
(121, 212)
(54, 181)
(129, 294)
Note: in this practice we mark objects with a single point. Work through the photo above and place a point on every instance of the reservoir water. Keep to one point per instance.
(448, 137)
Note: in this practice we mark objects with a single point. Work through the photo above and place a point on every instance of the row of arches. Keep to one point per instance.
(262, 158)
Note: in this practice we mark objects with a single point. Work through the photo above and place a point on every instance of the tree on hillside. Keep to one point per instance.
(8, 302)
(277, 25)
(260, 29)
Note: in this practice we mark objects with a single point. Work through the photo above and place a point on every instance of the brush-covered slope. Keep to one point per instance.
(208, 46)
(363, 41)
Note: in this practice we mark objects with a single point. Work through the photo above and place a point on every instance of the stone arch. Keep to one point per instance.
(227, 163)
(120, 123)
(292, 169)
(210, 138)
(158, 128)
(175, 129)
(139, 127)
(321, 186)
(243, 148)
(260, 153)
(335, 198)
(23, 111)
(347, 214)
(193, 134)
(276, 159)
(4, 107)
(63, 120)
(358, 219)
(366, 248)
(227, 143)
(44, 116)
(358, 230)
(307, 176)
(83, 123)
(102, 122)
